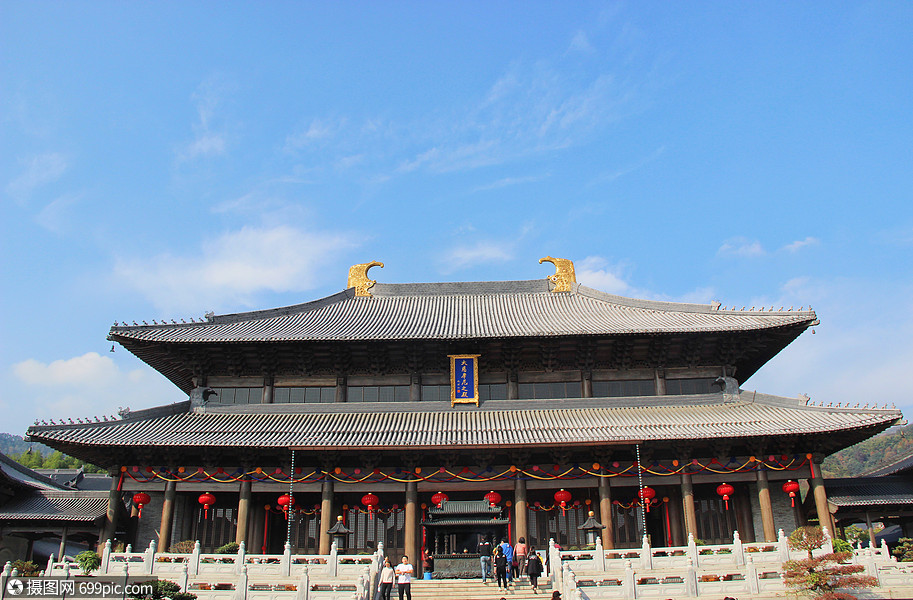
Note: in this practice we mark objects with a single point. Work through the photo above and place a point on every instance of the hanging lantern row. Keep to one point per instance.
(792, 488)
(646, 495)
(207, 500)
(439, 499)
(141, 499)
(371, 501)
(725, 490)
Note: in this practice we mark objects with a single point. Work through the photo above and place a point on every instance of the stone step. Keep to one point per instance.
(474, 589)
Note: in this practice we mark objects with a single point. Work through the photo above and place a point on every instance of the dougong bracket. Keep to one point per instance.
(358, 278)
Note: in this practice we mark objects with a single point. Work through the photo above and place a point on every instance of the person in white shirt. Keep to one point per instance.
(404, 572)
(386, 581)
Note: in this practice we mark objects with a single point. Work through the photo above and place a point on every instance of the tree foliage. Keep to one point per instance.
(88, 561)
(873, 453)
(904, 550)
(55, 460)
(824, 575)
(807, 538)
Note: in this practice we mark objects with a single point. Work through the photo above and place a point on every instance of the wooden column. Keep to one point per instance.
(586, 378)
(868, 523)
(415, 387)
(659, 380)
(605, 513)
(817, 483)
(243, 513)
(110, 524)
(688, 505)
(63, 544)
(411, 525)
(342, 394)
(521, 527)
(167, 516)
(675, 518)
(327, 519)
(767, 511)
(513, 386)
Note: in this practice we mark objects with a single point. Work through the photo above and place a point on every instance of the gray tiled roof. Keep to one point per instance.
(863, 491)
(464, 507)
(24, 476)
(460, 311)
(899, 466)
(494, 424)
(56, 505)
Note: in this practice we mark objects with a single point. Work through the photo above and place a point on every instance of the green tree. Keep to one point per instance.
(88, 561)
(824, 575)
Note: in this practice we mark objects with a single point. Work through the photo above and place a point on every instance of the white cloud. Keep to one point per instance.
(88, 385)
(38, 170)
(232, 268)
(581, 43)
(509, 181)
(55, 215)
(317, 130)
(209, 139)
(741, 246)
(597, 273)
(799, 244)
(481, 252)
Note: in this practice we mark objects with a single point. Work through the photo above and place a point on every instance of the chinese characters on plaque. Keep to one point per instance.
(464, 379)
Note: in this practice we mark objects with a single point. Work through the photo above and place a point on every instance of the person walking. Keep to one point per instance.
(485, 558)
(520, 551)
(404, 573)
(385, 587)
(501, 567)
(534, 569)
(509, 556)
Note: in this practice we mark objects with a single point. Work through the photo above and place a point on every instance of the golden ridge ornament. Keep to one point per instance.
(358, 278)
(564, 277)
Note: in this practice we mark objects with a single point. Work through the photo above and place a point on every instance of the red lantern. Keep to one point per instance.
(725, 490)
(371, 501)
(206, 500)
(562, 497)
(493, 497)
(792, 488)
(646, 495)
(286, 502)
(140, 499)
(439, 499)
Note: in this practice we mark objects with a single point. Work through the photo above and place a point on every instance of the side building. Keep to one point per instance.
(357, 405)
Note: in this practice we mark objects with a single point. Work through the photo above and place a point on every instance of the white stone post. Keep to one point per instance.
(691, 580)
(241, 587)
(828, 542)
(185, 576)
(751, 574)
(738, 551)
(105, 558)
(627, 584)
(333, 560)
(241, 559)
(149, 558)
(50, 567)
(885, 553)
(692, 550)
(570, 581)
(646, 555)
(195, 558)
(304, 585)
(782, 546)
(287, 560)
(600, 554)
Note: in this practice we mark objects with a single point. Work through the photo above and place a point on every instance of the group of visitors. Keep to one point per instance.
(510, 562)
(403, 576)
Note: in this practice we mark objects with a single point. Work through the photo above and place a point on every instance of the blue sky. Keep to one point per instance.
(161, 160)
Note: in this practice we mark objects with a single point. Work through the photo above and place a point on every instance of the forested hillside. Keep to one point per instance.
(874, 453)
(39, 456)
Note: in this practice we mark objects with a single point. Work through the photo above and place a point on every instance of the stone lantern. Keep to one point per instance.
(339, 533)
(592, 528)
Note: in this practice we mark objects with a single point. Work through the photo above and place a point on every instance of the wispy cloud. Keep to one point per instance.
(90, 385)
(799, 244)
(509, 181)
(315, 131)
(741, 247)
(581, 43)
(233, 268)
(463, 256)
(55, 215)
(38, 170)
(210, 137)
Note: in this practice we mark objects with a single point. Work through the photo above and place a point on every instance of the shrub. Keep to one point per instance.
(842, 545)
(904, 550)
(26, 568)
(88, 561)
(824, 575)
(807, 538)
(163, 588)
(229, 548)
(184, 547)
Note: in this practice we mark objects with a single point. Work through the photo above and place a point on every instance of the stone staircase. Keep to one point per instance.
(474, 589)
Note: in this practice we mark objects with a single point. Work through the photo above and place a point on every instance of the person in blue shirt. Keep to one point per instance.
(509, 555)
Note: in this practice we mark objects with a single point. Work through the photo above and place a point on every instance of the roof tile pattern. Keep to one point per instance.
(863, 491)
(57, 506)
(431, 424)
(459, 311)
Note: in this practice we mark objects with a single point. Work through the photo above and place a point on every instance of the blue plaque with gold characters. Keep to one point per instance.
(464, 379)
